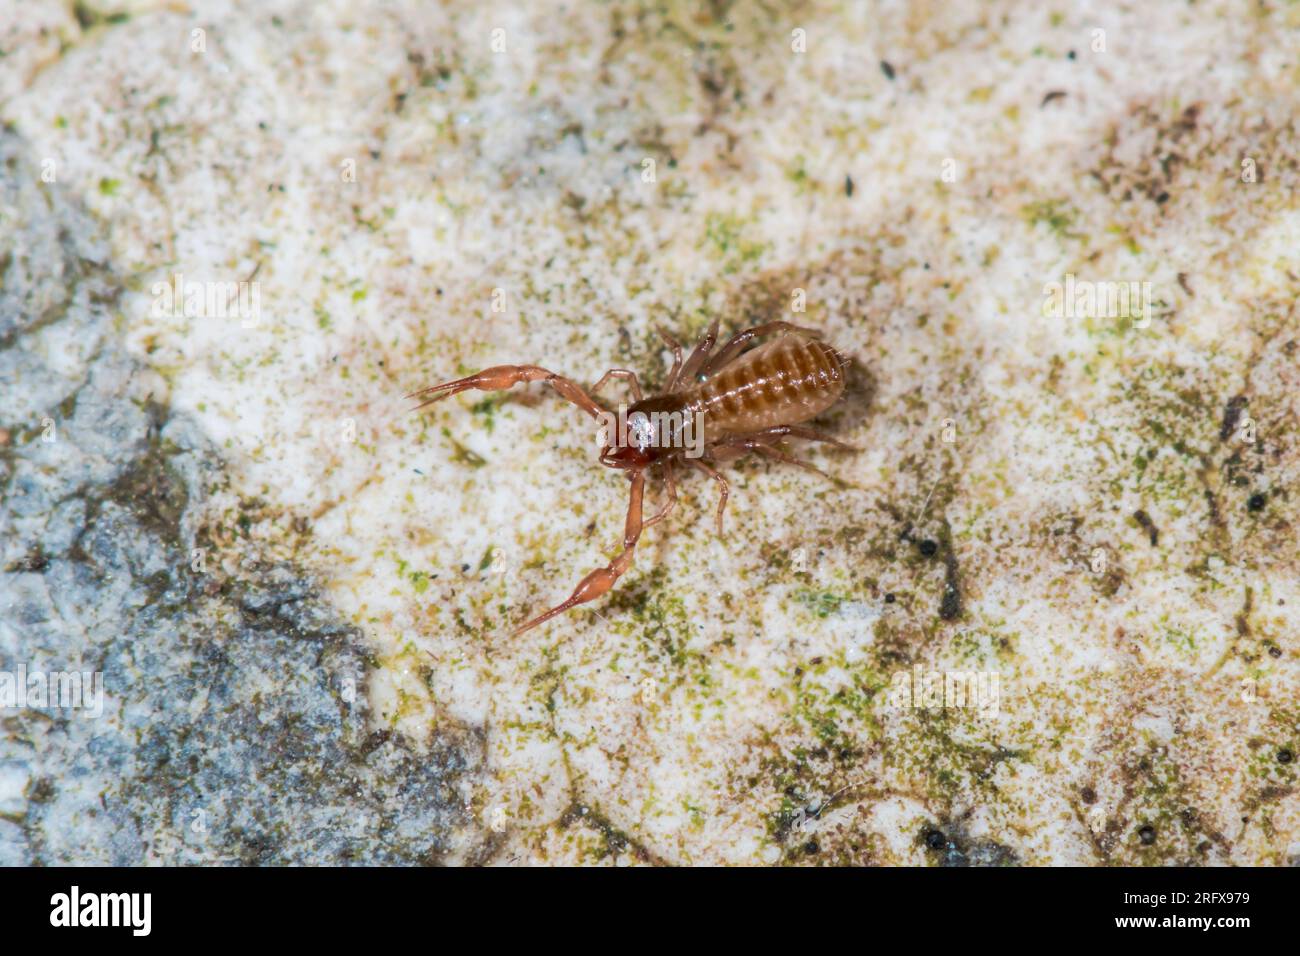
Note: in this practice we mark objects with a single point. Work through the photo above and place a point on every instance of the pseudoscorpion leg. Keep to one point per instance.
(672, 496)
(741, 339)
(700, 354)
(801, 431)
(676, 348)
(724, 487)
(621, 373)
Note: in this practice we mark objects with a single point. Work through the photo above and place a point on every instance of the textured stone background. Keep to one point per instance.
(729, 702)
(226, 736)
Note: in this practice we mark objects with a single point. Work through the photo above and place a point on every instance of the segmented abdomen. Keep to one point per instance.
(783, 382)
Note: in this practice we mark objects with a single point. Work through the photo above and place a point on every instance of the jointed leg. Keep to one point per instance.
(770, 452)
(676, 348)
(801, 431)
(763, 441)
(700, 354)
(602, 579)
(501, 377)
(724, 488)
(621, 373)
(672, 496)
(741, 339)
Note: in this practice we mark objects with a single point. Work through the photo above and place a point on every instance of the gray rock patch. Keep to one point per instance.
(234, 725)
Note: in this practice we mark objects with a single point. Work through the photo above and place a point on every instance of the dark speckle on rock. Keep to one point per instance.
(1231, 415)
(957, 849)
(1146, 524)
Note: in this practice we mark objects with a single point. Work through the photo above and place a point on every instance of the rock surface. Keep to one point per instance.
(1095, 505)
(234, 725)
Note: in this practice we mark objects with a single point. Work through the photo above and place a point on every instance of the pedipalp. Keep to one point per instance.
(601, 580)
(502, 377)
